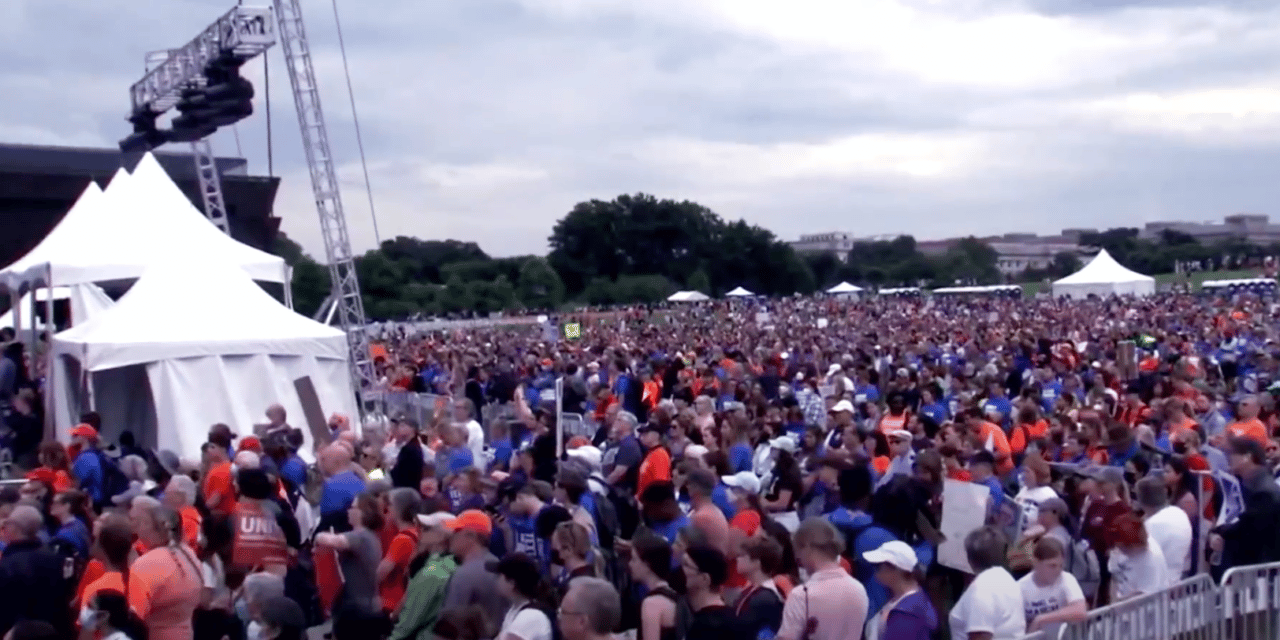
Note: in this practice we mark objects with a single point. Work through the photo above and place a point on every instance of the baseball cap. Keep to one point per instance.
(83, 430)
(1110, 475)
(894, 552)
(785, 443)
(844, 406)
(437, 519)
(250, 443)
(900, 433)
(472, 520)
(744, 480)
(694, 451)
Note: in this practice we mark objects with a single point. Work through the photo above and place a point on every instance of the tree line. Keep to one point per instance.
(641, 249)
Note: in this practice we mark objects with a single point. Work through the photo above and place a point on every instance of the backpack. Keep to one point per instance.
(114, 482)
(1082, 563)
(608, 526)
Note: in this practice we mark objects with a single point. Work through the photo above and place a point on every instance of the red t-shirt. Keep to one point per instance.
(748, 522)
(399, 552)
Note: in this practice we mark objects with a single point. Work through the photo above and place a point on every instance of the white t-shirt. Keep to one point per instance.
(1038, 600)
(475, 442)
(1030, 499)
(1138, 573)
(992, 603)
(526, 623)
(1170, 529)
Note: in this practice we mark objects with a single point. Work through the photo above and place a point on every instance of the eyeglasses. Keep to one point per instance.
(565, 612)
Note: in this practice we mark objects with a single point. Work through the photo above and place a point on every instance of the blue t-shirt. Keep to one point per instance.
(669, 529)
(76, 534)
(720, 497)
(459, 458)
(740, 457)
(339, 492)
(87, 469)
(294, 470)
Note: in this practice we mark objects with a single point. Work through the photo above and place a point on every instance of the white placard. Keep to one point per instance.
(964, 509)
(822, 323)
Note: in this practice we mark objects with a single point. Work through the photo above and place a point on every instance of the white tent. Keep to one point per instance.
(739, 293)
(86, 300)
(844, 288)
(192, 344)
(687, 296)
(1103, 276)
(140, 220)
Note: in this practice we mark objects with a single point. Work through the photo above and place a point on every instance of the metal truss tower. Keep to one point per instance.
(324, 185)
(246, 32)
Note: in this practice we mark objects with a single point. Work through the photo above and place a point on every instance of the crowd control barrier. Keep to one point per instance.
(1246, 606)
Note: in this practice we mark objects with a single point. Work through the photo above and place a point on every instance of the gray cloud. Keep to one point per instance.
(487, 120)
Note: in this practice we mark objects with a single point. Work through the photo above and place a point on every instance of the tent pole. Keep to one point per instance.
(288, 286)
(16, 307)
(49, 381)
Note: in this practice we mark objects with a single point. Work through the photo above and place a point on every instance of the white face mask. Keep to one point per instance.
(88, 618)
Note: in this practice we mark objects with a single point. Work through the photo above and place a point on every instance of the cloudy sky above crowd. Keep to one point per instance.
(487, 120)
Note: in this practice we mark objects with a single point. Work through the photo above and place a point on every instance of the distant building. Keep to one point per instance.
(38, 185)
(1017, 251)
(1255, 228)
(836, 242)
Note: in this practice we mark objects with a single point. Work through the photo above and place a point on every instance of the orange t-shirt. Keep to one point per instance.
(1003, 454)
(1024, 433)
(890, 422)
(655, 468)
(109, 581)
(92, 571)
(191, 523)
(218, 483)
(748, 522)
(399, 552)
(165, 586)
(1252, 429)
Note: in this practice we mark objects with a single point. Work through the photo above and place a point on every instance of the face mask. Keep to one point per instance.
(88, 618)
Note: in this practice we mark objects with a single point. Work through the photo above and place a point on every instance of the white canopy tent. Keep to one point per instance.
(739, 292)
(1103, 276)
(142, 219)
(688, 296)
(86, 301)
(845, 289)
(191, 344)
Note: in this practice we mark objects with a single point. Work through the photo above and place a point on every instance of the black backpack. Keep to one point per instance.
(114, 482)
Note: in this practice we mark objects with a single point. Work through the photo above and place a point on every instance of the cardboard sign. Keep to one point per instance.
(313, 412)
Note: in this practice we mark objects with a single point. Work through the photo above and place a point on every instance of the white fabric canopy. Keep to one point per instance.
(87, 301)
(739, 293)
(844, 287)
(192, 344)
(687, 296)
(1103, 276)
(140, 220)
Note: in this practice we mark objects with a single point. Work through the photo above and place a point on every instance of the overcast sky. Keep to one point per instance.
(487, 120)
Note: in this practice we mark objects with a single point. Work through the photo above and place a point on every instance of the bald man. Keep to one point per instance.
(29, 573)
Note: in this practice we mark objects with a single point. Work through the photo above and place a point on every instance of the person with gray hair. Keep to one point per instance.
(258, 588)
(623, 454)
(1167, 526)
(29, 573)
(590, 610)
(992, 605)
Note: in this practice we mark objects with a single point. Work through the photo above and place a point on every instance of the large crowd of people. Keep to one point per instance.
(742, 469)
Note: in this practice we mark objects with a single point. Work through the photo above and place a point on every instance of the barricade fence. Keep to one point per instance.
(1245, 607)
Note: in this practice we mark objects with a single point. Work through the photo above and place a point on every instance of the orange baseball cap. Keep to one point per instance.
(472, 520)
(83, 430)
(577, 441)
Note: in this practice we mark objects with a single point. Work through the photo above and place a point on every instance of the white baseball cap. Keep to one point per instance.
(744, 480)
(896, 553)
(694, 451)
(785, 443)
(843, 405)
(900, 433)
(437, 519)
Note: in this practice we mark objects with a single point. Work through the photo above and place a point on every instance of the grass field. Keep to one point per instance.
(1164, 279)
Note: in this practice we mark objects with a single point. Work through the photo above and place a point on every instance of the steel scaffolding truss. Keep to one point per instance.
(247, 32)
(324, 184)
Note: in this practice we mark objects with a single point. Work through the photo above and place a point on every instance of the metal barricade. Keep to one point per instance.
(1250, 603)
(497, 411)
(1188, 609)
(574, 425)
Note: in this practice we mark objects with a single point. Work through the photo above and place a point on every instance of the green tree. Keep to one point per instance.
(698, 281)
(651, 288)
(310, 280)
(540, 286)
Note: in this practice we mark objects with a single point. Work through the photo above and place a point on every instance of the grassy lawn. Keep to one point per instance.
(1165, 279)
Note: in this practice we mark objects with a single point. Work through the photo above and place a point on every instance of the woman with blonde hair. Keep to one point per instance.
(570, 547)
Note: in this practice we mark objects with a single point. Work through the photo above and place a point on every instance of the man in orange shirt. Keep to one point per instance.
(656, 465)
(218, 488)
(180, 495)
(1247, 424)
(393, 571)
(992, 437)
